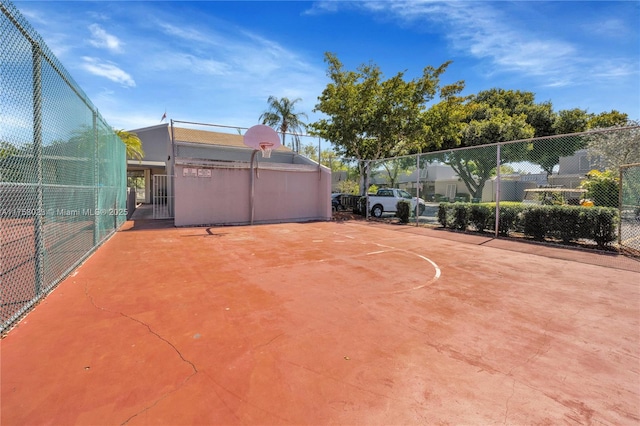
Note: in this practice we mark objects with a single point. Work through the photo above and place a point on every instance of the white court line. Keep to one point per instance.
(434, 264)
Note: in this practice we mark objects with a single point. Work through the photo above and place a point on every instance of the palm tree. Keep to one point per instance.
(132, 143)
(281, 114)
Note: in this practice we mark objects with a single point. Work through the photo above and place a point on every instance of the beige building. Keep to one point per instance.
(200, 177)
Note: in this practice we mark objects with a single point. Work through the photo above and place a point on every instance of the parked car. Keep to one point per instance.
(386, 199)
(336, 202)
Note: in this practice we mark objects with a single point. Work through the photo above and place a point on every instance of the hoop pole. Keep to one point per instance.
(252, 181)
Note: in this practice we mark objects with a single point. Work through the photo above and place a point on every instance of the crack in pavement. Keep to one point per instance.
(148, 327)
(506, 408)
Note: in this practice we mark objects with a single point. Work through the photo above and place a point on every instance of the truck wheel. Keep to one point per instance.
(376, 211)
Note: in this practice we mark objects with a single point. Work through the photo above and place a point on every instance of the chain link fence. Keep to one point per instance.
(629, 236)
(62, 170)
(564, 189)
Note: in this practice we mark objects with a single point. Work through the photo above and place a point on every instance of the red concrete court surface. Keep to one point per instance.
(328, 323)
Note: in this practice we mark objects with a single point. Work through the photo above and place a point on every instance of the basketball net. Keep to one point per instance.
(265, 148)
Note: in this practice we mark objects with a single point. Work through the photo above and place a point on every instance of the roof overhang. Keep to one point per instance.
(144, 163)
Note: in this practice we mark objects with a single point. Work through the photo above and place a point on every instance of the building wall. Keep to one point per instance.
(577, 164)
(450, 187)
(510, 190)
(223, 197)
(156, 142)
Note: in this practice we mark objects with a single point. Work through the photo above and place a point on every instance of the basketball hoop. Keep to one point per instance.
(265, 148)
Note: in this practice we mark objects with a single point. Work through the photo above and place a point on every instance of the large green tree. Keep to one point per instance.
(488, 117)
(612, 118)
(499, 115)
(369, 117)
(547, 153)
(616, 148)
(281, 114)
(328, 157)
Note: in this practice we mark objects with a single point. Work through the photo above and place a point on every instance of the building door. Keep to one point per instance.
(162, 197)
(451, 192)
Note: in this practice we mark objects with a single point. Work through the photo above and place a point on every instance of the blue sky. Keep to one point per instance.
(218, 62)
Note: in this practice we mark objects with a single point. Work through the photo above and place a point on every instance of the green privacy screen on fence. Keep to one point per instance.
(62, 170)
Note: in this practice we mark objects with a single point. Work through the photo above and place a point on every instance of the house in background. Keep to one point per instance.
(201, 177)
(440, 182)
(156, 143)
(432, 178)
(573, 169)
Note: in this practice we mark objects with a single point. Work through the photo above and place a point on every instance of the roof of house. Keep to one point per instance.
(212, 138)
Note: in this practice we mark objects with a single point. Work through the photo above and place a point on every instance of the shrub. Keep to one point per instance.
(601, 224)
(479, 215)
(510, 218)
(457, 217)
(462, 197)
(534, 222)
(403, 211)
(442, 214)
(602, 188)
(566, 223)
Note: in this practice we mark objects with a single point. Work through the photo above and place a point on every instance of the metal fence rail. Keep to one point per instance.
(62, 170)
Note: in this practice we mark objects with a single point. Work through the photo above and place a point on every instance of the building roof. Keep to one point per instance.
(212, 138)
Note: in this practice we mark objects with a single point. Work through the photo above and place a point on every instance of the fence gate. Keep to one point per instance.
(629, 235)
(162, 195)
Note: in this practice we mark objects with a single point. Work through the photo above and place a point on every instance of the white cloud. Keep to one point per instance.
(188, 34)
(487, 33)
(615, 68)
(495, 34)
(108, 70)
(103, 40)
(611, 27)
(190, 63)
(241, 60)
(321, 7)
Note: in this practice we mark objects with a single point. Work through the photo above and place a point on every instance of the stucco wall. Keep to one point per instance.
(156, 142)
(280, 195)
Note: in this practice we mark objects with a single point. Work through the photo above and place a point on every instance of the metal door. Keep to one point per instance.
(162, 195)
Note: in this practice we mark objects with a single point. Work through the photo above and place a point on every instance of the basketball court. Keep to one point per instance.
(328, 323)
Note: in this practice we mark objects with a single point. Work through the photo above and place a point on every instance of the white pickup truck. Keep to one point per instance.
(385, 200)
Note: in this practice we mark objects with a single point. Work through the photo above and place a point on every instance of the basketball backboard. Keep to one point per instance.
(263, 138)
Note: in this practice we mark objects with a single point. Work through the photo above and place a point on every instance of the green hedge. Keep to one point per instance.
(566, 223)
(403, 211)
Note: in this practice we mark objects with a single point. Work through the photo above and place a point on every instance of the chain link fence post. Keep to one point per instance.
(38, 217)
